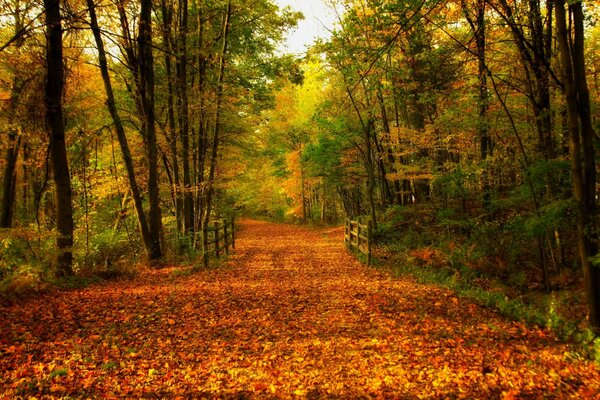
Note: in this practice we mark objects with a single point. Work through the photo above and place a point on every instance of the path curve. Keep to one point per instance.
(291, 315)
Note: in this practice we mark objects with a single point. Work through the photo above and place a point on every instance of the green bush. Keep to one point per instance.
(109, 256)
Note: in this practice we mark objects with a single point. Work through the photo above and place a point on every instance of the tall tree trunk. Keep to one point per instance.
(121, 136)
(303, 193)
(384, 184)
(9, 183)
(56, 125)
(395, 197)
(583, 166)
(26, 214)
(535, 54)
(216, 135)
(167, 14)
(182, 60)
(202, 135)
(368, 156)
(478, 26)
(146, 91)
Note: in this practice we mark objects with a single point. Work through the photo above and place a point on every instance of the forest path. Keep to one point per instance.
(291, 314)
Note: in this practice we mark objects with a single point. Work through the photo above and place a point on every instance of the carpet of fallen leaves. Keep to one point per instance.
(291, 315)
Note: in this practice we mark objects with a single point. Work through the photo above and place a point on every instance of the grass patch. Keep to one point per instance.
(59, 372)
(542, 313)
(76, 281)
(107, 366)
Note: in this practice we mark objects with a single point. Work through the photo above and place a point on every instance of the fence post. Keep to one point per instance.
(225, 237)
(232, 233)
(346, 231)
(217, 253)
(369, 233)
(358, 233)
(204, 238)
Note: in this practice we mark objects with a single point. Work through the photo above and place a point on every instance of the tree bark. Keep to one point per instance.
(121, 136)
(202, 135)
(182, 60)
(478, 26)
(216, 133)
(146, 92)
(10, 180)
(171, 134)
(395, 197)
(583, 167)
(58, 151)
(535, 53)
(9, 183)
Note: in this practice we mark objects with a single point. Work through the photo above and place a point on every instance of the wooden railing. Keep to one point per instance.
(358, 235)
(218, 238)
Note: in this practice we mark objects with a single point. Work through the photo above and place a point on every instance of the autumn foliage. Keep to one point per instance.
(290, 315)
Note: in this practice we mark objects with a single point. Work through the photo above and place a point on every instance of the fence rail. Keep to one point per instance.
(217, 238)
(358, 235)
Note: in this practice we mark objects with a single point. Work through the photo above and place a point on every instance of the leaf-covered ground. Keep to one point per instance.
(291, 315)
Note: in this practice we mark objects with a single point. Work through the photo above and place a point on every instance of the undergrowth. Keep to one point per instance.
(27, 262)
(480, 262)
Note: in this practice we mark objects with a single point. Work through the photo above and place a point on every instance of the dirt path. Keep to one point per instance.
(292, 314)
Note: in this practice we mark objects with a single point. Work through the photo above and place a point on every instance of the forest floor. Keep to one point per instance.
(290, 314)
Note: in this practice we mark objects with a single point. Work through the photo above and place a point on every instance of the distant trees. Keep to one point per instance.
(471, 112)
(177, 81)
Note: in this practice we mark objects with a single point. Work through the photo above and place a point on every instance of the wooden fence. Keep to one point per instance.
(218, 238)
(358, 235)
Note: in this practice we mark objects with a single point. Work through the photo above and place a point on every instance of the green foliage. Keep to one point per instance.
(322, 158)
(22, 281)
(27, 257)
(454, 221)
(58, 372)
(109, 257)
(390, 229)
(459, 182)
(543, 312)
(557, 214)
(491, 263)
(109, 365)
(80, 281)
(25, 262)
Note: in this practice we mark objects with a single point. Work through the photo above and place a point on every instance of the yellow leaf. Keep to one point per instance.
(57, 388)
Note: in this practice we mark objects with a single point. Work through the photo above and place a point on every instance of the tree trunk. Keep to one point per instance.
(535, 54)
(146, 91)
(10, 180)
(202, 135)
(216, 135)
(478, 26)
(303, 192)
(56, 125)
(121, 136)
(182, 60)
(167, 14)
(370, 174)
(9, 183)
(395, 197)
(583, 166)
